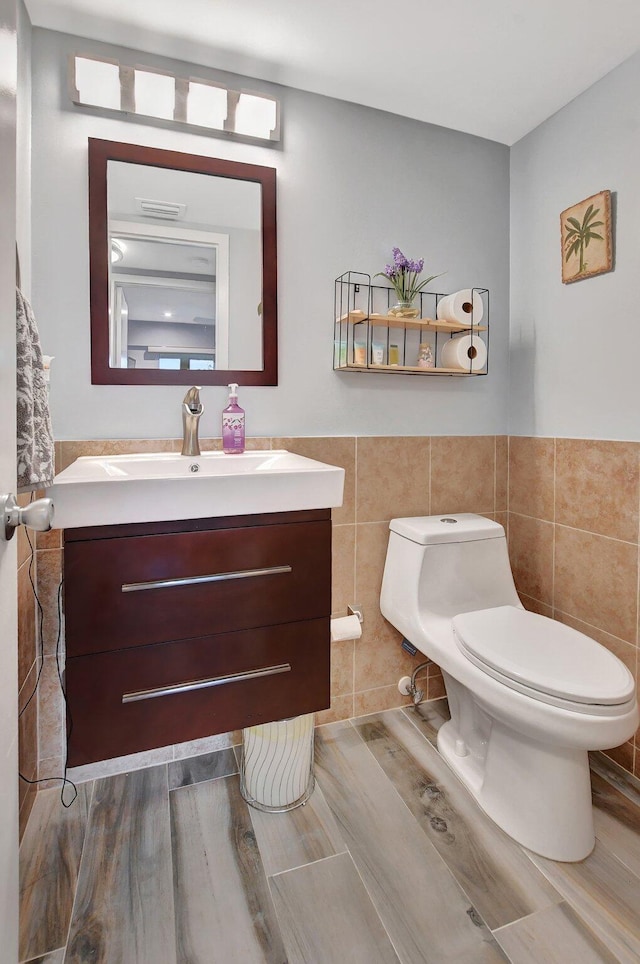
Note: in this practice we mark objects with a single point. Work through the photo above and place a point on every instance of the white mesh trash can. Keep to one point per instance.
(276, 770)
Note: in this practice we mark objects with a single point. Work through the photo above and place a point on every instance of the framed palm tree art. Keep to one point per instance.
(585, 231)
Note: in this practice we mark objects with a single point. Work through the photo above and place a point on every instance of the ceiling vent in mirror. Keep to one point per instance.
(169, 210)
(147, 92)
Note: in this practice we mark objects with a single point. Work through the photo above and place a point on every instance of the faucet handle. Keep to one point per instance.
(192, 400)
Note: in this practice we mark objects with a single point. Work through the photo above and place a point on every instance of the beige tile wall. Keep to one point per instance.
(385, 477)
(574, 542)
(28, 665)
(573, 525)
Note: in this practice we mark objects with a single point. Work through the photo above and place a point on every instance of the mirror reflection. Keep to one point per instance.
(185, 270)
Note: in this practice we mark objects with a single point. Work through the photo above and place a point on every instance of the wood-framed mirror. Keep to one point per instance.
(183, 268)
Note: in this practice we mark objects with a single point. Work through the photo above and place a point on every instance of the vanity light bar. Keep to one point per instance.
(194, 102)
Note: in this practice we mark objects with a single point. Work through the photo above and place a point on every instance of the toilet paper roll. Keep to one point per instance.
(462, 307)
(465, 353)
(346, 627)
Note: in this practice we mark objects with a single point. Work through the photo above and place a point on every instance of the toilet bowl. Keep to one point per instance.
(528, 696)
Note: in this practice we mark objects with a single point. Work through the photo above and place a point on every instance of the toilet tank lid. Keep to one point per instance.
(436, 529)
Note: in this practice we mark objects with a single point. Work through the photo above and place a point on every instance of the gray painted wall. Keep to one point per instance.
(23, 150)
(352, 182)
(575, 348)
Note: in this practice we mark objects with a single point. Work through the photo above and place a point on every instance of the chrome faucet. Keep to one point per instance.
(192, 409)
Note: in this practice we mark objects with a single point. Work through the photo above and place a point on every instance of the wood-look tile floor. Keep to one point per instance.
(390, 860)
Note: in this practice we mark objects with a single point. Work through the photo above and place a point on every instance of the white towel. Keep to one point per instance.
(35, 437)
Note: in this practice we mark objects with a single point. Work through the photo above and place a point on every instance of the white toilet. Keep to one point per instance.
(529, 696)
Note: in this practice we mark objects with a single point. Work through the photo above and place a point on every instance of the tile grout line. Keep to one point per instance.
(309, 863)
(584, 920)
(590, 625)
(627, 866)
(616, 776)
(377, 522)
(346, 852)
(588, 532)
(495, 471)
(375, 909)
(352, 858)
(354, 578)
(635, 757)
(39, 957)
(417, 728)
(585, 914)
(430, 469)
(553, 546)
(172, 865)
(414, 819)
(80, 862)
(508, 483)
(355, 481)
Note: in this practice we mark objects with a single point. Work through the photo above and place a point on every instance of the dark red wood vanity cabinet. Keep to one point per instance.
(176, 631)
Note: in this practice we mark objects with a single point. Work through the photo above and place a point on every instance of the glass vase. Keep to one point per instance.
(404, 309)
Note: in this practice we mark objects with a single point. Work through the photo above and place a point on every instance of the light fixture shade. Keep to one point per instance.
(118, 249)
(97, 83)
(207, 105)
(255, 116)
(155, 94)
(147, 92)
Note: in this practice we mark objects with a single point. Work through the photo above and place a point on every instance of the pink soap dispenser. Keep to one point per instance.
(233, 424)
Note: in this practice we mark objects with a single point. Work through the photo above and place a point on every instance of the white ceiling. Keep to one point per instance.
(496, 68)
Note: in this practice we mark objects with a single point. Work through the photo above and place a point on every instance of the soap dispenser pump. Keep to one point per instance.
(233, 424)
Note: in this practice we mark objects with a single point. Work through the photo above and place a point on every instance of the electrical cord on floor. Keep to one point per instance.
(65, 781)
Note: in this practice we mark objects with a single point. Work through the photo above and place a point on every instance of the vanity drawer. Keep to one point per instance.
(140, 590)
(138, 699)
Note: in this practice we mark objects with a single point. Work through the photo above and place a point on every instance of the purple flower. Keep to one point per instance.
(403, 275)
(399, 259)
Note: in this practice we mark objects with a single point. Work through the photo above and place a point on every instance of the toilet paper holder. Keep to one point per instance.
(356, 610)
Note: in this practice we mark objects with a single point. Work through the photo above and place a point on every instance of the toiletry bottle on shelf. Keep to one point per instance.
(233, 424)
(425, 356)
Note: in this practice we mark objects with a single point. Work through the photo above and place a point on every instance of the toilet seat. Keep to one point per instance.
(545, 659)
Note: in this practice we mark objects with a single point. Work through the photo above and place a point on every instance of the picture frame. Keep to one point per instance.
(586, 238)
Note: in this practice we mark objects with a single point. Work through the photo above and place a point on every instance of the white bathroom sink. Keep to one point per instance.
(157, 487)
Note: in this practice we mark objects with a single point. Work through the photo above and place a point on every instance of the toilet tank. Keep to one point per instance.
(445, 565)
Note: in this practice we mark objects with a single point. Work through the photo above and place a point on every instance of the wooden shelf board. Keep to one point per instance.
(405, 368)
(389, 321)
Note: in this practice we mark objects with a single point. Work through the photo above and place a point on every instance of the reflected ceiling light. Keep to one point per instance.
(168, 314)
(118, 249)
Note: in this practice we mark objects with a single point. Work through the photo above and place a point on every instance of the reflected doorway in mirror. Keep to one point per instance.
(183, 268)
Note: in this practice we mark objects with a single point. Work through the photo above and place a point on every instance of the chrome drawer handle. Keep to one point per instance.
(203, 684)
(197, 580)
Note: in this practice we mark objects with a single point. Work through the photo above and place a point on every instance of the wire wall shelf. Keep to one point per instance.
(369, 339)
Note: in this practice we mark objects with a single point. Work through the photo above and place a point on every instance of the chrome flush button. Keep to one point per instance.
(451, 521)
